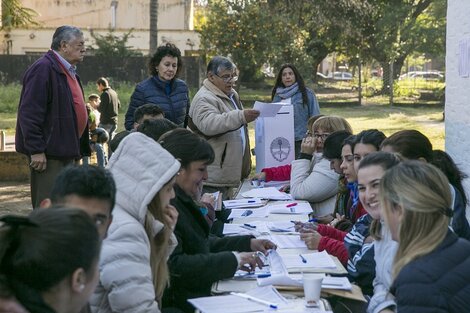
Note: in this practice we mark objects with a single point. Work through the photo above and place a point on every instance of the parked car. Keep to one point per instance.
(342, 76)
(429, 75)
(321, 76)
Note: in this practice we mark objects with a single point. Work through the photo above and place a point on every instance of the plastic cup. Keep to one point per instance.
(312, 289)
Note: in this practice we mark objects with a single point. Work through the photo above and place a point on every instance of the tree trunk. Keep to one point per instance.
(397, 65)
(153, 26)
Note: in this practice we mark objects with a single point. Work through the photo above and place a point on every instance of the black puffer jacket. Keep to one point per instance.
(438, 282)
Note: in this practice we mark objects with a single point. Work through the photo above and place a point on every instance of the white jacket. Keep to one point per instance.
(214, 115)
(315, 182)
(140, 167)
(385, 250)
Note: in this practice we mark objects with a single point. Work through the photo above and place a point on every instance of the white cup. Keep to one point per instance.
(312, 289)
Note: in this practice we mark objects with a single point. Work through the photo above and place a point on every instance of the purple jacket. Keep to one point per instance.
(46, 115)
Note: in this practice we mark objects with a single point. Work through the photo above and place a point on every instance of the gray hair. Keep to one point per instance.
(220, 63)
(64, 33)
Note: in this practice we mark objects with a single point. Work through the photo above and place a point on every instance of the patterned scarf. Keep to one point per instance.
(287, 92)
(354, 194)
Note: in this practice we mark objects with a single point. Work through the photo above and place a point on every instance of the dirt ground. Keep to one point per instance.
(15, 198)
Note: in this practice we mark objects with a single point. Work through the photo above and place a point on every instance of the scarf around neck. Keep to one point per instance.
(287, 92)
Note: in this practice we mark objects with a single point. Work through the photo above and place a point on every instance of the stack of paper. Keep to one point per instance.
(288, 241)
(295, 280)
(256, 300)
(253, 228)
(291, 208)
(259, 212)
(270, 193)
(243, 203)
(282, 227)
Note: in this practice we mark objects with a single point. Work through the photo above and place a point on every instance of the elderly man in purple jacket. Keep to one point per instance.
(51, 127)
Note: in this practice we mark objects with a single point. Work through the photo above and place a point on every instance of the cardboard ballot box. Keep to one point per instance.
(274, 139)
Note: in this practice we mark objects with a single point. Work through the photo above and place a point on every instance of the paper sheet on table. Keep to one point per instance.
(242, 229)
(236, 304)
(288, 241)
(270, 193)
(329, 282)
(298, 208)
(282, 227)
(314, 260)
(277, 183)
(240, 213)
(243, 203)
(237, 229)
(267, 109)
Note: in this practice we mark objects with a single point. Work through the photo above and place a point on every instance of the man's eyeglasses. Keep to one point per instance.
(228, 78)
(322, 136)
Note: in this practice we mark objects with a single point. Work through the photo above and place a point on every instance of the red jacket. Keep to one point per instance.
(332, 241)
(278, 173)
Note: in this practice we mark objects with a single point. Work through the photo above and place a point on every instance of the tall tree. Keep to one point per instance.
(391, 30)
(15, 15)
(240, 29)
(153, 26)
(111, 44)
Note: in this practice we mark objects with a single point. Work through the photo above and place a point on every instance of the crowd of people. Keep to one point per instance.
(138, 233)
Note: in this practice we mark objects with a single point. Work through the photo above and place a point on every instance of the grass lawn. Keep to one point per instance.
(374, 113)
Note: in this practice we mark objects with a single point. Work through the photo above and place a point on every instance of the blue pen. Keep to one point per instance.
(248, 225)
(247, 213)
(313, 220)
(263, 275)
(251, 201)
(304, 260)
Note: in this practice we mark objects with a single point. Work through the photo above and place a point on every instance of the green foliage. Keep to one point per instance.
(305, 32)
(239, 29)
(9, 97)
(15, 15)
(111, 44)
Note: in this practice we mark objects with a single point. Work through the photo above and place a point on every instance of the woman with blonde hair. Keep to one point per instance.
(311, 177)
(432, 265)
(133, 265)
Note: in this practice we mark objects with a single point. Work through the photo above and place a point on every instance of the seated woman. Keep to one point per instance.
(338, 149)
(49, 260)
(133, 265)
(431, 269)
(323, 237)
(413, 145)
(200, 259)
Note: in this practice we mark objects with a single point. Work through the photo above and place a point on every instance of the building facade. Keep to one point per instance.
(457, 107)
(175, 23)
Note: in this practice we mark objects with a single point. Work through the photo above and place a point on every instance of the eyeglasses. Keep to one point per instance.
(322, 136)
(228, 78)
